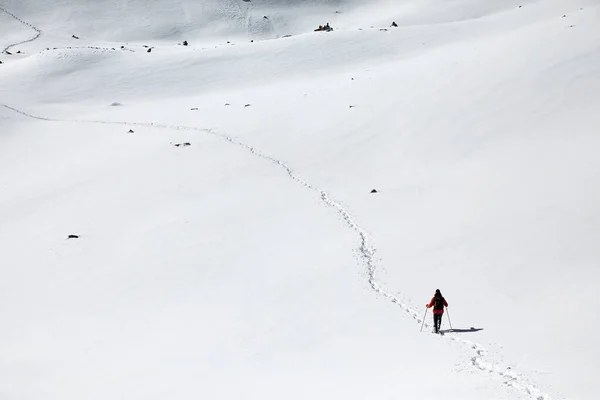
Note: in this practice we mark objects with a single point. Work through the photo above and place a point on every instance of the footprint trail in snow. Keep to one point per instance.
(38, 32)
(366, 249)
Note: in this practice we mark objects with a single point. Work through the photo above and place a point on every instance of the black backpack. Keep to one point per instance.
(438, 303)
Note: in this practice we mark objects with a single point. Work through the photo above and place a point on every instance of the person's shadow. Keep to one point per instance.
(471, 329)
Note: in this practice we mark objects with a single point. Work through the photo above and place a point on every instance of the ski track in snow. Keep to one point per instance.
(38, 32)
(367, 251)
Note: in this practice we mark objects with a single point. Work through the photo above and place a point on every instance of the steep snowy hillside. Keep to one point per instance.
(205, 21)
(197, 221)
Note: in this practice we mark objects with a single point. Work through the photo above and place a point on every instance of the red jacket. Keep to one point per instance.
(432, 302)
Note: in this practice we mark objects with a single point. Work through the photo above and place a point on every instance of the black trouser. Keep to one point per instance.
(437, 322)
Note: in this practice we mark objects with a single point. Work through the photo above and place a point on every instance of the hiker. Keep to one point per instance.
(438, 302)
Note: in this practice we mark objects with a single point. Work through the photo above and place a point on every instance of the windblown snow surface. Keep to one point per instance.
(229, 245)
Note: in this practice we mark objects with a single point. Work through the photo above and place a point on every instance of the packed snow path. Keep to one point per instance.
(366, 249)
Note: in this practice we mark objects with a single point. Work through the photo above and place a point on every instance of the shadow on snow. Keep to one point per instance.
(471, 329)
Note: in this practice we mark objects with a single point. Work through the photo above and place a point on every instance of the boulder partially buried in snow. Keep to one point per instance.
(324, 28)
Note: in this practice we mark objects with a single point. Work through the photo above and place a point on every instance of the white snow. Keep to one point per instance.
(255, 263)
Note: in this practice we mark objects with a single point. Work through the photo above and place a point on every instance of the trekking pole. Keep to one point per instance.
(424, 315)
(450, 322)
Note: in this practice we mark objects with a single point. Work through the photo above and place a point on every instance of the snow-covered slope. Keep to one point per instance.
(254, 262)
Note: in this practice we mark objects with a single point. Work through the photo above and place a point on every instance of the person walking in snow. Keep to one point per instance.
(438, 302)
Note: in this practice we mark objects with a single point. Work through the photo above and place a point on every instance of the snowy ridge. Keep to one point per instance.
(367, 250)
(38, 32)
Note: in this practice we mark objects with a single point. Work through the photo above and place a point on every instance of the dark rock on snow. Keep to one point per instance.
(324, 28)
